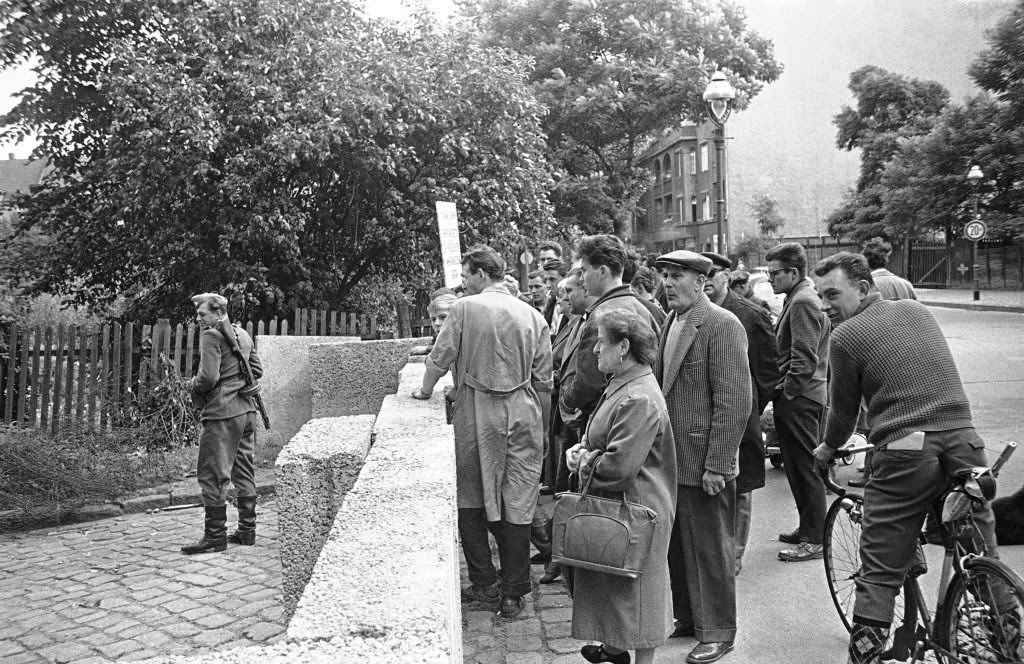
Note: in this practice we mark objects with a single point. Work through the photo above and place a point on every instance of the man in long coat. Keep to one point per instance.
(501, 350)
(703, 371)
(764, 375)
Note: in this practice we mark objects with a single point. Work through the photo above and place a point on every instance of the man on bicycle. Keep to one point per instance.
(893, 355)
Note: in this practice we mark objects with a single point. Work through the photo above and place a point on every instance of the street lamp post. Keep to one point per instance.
(974, 177)
(718, 98)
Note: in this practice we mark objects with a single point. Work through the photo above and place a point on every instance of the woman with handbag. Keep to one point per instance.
(630, 453)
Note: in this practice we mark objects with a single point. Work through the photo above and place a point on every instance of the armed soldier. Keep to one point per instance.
(229, 400)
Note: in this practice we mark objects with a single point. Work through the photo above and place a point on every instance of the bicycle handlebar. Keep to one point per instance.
(841, 453)
(1004, 456)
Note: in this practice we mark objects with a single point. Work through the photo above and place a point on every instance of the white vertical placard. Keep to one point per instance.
(451, 249)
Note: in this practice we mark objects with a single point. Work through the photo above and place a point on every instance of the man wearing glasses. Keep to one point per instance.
(802, 334)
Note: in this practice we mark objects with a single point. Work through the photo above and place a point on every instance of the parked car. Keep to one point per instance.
(763, 289)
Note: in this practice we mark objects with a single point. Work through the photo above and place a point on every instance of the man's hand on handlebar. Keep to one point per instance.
(824, 455)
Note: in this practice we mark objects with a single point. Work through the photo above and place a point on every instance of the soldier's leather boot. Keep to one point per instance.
(246, 533)
(867, 643)
(214, 535)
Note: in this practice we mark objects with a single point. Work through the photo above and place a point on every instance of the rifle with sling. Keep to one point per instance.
(252, 386)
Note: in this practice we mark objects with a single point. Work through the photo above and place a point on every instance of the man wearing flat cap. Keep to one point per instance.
(703, 370)
(763, 358)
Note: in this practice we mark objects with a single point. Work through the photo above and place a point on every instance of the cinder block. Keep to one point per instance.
(389, 570)
(285, 384)
(312, 475)
(352, 378)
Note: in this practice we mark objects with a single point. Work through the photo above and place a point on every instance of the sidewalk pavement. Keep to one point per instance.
(990, 300)
(183, 492)
(120, 589)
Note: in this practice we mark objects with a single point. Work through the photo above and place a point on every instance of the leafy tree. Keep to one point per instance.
(766, 212)
(69, 45)
(1000, 69)
(614, 75)
(925, 186)
(287, 153)
(891, 108)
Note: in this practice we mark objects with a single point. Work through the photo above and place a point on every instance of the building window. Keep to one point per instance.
(703, 156)
(679, 164)
(693, 209)
(667, 168)
(657, 170)
(682, 212)
(693, 162)
(705, 207)
(668, 208)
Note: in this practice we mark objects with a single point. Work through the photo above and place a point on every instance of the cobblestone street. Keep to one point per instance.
(119, 589)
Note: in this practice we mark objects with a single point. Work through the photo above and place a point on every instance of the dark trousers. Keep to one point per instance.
(797, 422)
(701, 559)
(513, 551)
(567, 438)
(906, 477)
(226, 455)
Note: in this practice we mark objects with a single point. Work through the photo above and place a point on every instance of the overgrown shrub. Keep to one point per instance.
(43, 477)
(163, 417)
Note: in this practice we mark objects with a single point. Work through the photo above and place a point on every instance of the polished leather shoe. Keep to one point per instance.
(540, 558)
(482, 594)
(791, 538)
(599, 654)
(551, 573)
(682, 631)
(802, 551)
(858, 482)
(709, 652)
(511, 607)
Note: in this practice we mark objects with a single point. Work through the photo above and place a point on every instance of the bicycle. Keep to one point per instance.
(979, 607)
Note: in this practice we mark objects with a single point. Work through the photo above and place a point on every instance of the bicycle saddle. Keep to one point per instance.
(978, 482)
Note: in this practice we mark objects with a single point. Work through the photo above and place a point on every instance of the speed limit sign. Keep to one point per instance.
(975, 230)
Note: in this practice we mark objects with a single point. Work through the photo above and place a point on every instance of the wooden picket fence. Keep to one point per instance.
(70, 375)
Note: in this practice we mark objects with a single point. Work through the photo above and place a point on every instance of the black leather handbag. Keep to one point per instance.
(601, 534)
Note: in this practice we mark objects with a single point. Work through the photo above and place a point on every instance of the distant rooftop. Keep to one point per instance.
(685, 133)
(18, 175)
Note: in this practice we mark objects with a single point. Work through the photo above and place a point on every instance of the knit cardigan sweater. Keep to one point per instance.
(894, 355)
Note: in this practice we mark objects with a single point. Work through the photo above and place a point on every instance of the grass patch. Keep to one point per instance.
(43, 477)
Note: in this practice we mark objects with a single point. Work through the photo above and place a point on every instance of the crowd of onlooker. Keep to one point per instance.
(648, 376)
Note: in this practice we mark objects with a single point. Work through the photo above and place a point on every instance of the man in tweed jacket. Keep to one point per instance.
(703, 370)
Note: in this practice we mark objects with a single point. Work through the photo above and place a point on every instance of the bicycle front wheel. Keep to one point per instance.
(842, 554)
(842, 568)
(980, 621)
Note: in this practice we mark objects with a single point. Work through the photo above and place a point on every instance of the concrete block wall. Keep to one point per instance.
(385, 589)
(388, 575)
(352, 378)
(285, 384)
(312, 475)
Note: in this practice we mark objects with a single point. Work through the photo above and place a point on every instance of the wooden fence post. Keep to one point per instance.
(104, 379)
(58, 375)
(44, 405)
(33, 405)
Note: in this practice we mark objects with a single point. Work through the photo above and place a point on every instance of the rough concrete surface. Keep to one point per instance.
(285, 384)
(389, 570)
(314, 472)
(352, 378)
